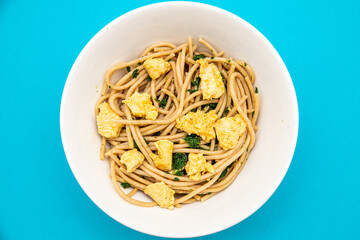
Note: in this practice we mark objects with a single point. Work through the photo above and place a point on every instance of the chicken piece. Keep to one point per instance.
(105, 121)
(156, 67)
(141, 106)
(162, 194)
(199, 123)
(211, 84)
(229, 130)
(163, 161)
(197, 166)
(132, 159)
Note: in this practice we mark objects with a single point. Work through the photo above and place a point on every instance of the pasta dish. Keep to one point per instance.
(177, 123)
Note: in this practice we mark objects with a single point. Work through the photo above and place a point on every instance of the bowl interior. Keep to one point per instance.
(124, 39)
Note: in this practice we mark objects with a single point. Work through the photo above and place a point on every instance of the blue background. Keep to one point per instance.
(318, 41)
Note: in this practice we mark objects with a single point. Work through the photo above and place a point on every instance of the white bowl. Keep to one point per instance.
(124, 39)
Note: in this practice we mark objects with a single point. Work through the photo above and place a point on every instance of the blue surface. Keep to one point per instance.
(318, 41)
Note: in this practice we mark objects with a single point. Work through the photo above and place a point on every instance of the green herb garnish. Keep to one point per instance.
(139, 63)
(125, 185)
(197, 57)
(193, 110)
(192, 90)
(211, 106)
(163, 102)
(136, 146)
(256, 90)
(226, 111)
(176, 179)
(252, 114)
(204, 194)
(179, 173)
(193, 140)
(196, 82)
(245, 64)
(128, 69)
(135, 73)
(148, 78)
(179, 162)
(225, 171)
(212, 57)
(222, 76)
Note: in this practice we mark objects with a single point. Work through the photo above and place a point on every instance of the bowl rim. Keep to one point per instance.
(166, 4)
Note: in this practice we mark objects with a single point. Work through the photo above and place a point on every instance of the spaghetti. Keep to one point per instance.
(175, 94)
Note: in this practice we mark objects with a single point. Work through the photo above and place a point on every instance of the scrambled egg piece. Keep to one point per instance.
(197, 165)
(141, 106)
(164, 160)
(132, 159)
(106, 126)
(199, 123)
(229, 130)
(211, 84)
(156, 67)
(162, 194)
